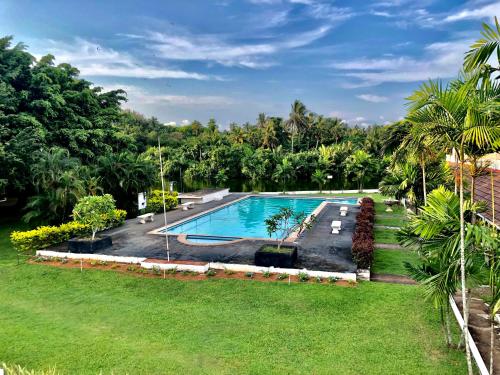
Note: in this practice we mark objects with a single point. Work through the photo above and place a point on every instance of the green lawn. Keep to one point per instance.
(390, 220)
(383, 235)
(105, 321)
(392, 261)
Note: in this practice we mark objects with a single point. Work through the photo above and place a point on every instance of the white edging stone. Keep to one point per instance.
(349, 276)
(363, 274)
(290, 271)
(107, 258)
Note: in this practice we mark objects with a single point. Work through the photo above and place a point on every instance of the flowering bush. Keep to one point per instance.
(46, 236)
(155, 201)
(362, 239)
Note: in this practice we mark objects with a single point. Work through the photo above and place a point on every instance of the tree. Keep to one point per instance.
(94, 211)
(283, 223)
(358, 165)
(283, 172)
(58, 182)
(436, 234)
(481, 51)
(319, 177)
(297, 121)
(460, 116)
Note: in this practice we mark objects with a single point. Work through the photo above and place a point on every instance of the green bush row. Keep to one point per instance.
(155, 201)
(46, 236)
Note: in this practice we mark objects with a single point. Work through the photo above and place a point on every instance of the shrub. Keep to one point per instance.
(210, 273)
(171, 271)
(94, 211)
(266, 274)
(155, 201)
(156, 270)
(103, 263)
(131, 268)
(332, 279)
(46, 236)
(249, 275)
(318, 279)
(282, 276)
(303, 277)
(228, 272)
(363, 237)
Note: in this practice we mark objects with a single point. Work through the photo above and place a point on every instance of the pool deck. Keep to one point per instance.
(318, 248)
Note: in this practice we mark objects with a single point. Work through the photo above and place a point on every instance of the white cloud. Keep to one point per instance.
(373, 98)
(170, 123)
(486, 11)
(185, 122)
(174, 46)
(136, 94)
(438, 60)
(92, 59)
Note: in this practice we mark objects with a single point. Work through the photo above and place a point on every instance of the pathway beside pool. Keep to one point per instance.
(318, 248)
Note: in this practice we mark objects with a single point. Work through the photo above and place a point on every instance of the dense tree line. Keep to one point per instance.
(62, 138)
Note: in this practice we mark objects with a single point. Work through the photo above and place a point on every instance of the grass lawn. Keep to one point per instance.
(390, 220)
(391, 261)
(383, 235)
(104, 321)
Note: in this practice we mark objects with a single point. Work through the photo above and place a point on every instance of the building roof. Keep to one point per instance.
(483, 193)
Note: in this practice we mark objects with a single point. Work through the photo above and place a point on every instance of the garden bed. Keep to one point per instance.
(137, 270)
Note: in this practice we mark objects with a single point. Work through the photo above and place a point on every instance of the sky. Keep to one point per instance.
(232, 59)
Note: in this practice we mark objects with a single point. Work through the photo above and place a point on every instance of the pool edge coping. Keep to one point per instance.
(291, 239)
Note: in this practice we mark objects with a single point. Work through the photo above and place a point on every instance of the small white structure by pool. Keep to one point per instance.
(203, 196)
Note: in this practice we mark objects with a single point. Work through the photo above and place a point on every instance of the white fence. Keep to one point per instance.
(483, 370)
(107, 258)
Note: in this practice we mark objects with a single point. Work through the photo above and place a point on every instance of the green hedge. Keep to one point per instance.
(46, 236)
(155, 201)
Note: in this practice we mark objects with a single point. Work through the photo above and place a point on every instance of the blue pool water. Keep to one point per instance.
(246, 217)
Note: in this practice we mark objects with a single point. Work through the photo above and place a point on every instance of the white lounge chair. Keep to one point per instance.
(344, 210)
(336, 226)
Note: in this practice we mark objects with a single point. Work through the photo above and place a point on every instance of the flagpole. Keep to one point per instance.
(163, 194)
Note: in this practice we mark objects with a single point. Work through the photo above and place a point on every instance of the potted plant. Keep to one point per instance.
(282, 225)
(92, 211)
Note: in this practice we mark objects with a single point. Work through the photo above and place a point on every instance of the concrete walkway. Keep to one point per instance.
(318, 249)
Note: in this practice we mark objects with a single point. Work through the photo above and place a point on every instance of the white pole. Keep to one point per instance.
(163, 194)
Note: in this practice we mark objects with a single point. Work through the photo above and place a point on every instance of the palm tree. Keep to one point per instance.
(261, 120)
(436, 234)
(57, 178)
(297, 121)
(460, 116)
(269, 139)
(416, 144)
(283, 172)
(358, 164)
(320, 178)
(481, 51)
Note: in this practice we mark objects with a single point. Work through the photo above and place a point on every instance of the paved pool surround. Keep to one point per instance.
(318, 249)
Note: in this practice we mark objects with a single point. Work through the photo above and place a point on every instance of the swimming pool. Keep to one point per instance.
(245, 218)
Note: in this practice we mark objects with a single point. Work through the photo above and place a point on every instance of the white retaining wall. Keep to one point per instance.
(196, 267)
(107, 258)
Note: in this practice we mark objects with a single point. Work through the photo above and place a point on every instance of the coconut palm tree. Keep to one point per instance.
(458, 117)
(481, 51)
(297, 121)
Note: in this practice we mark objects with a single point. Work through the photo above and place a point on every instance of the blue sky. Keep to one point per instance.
(229, 59)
